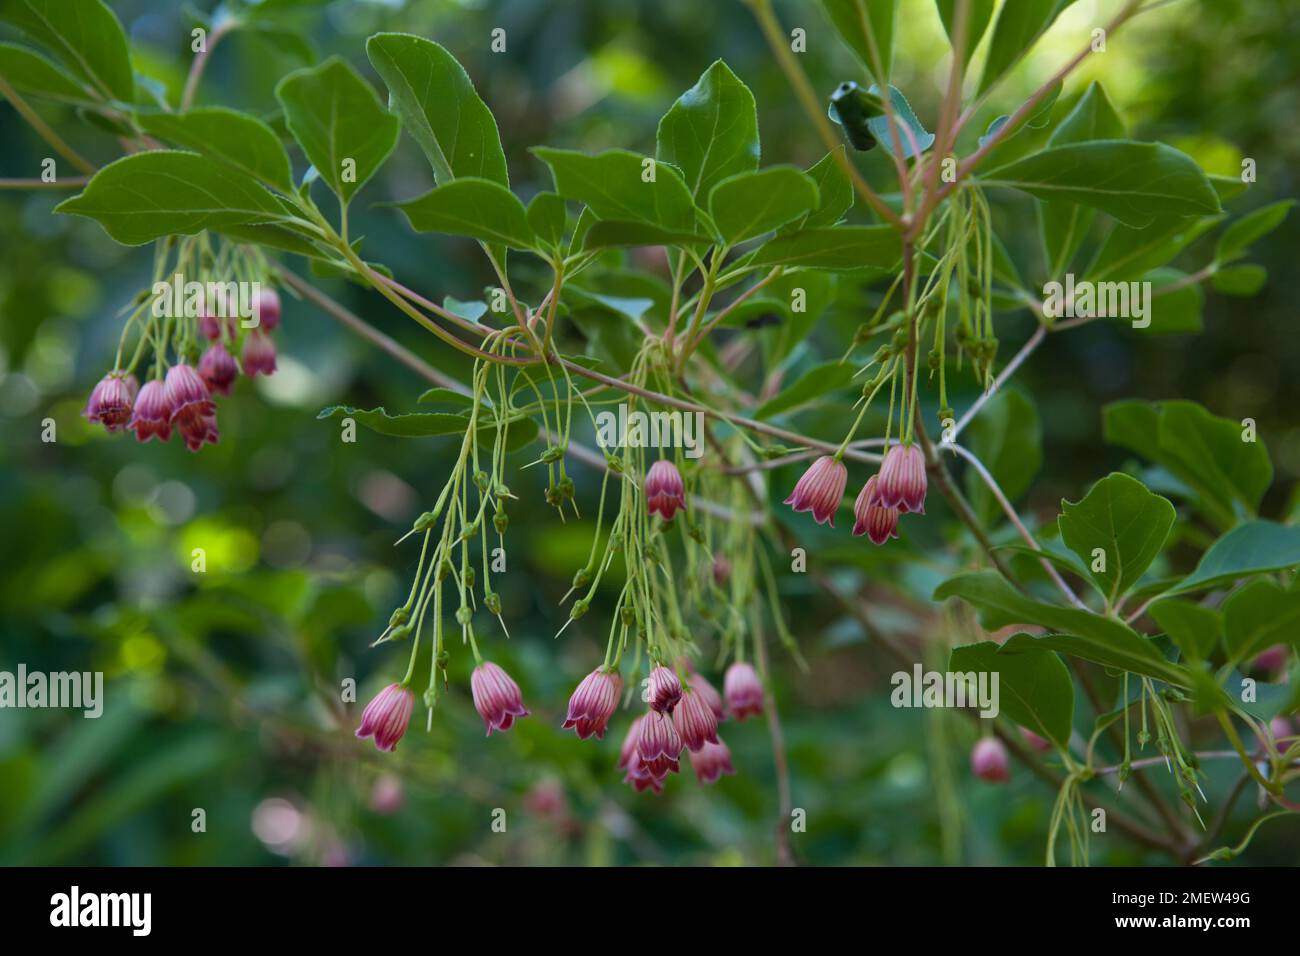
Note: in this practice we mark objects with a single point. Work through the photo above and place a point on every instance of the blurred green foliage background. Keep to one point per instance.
(222, 687)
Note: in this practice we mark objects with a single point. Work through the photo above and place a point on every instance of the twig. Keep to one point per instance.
(43, 130)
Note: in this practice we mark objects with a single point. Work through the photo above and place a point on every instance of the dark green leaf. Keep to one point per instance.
(813, 384)
(439, 106)
(1020, 23)
(32, 75)
(834, 193)
(838, 249)
(711, 132)
(339, 122)
(161, 193)
(614, 184)
(1258, 616)
(747, 205)
(1255, 547)
(608, 233)
(468, 206)
(860, 23)
(1134, 182)
(546, 217)
(1236, 239)
(1126, 522)
(1034, 685)
(977, 21)
(1093, 637)
(1195, 629)
(84, 34)
(1243, 280)
(235, 138)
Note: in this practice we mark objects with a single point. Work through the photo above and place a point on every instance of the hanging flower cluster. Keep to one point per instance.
(660, 605)
(187, 333)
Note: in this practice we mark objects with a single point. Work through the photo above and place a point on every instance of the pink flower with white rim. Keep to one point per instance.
(821, 489)
(387, 716)
(694, 721)
(988, 760)
(872, 518)
(152, 415)
(258, 356)
(743, 690)
(628, 750)
(902, 479)
(665, 493)
(711, 761)
(111, 401)
(665, 689)
(497, 698)
(658, 745)
(218, 369)
(593, 703)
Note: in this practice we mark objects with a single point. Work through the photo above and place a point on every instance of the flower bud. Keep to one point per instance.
(665, 494)
(743, 690)
(497, 698)
(902, 479)
(820, 490)
(711, 761)
(695, 721)
(988, 760)
(259, 354)
(218, 369)
(593, 703)
(111, 401)
(665, 689)
(871, 517)
(386, 717)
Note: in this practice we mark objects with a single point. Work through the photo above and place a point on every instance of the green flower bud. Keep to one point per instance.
(582, 578)
(399, 616)
(469, 578)
(492, 601)
(579, 608)
(501, 521)
(552, 454)
(463, 615)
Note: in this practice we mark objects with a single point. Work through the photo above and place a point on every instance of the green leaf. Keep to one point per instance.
(711, 132)
(1019, 25)
(1007, 438)
(749, 204)
(839, 249)
(1128, 254)
(468, 206)
(921, 139)
(32, 75)
(145, 196)
(1207, 453)
(337, 119)
(84, 34)
(432, 424)
(1039, 117)
(1173, 312)
(612, 185)
(1236, 239)
(609, 233)
(439, 107)
(445, 396)
(234, 138)
(1092, 118)
(1256, 547)
(856, 21)
(1243, 280)
(1093, 637)
(813, 384)
(1134, 182)
(1195, 629)
(977, 21)
(1034, 685)
(546, 217)
(1126, 522)
(834, 193)
(1063, 225)
(1258, 616)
